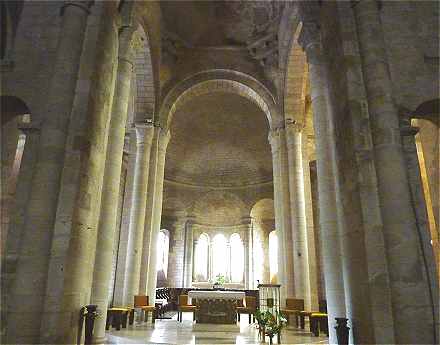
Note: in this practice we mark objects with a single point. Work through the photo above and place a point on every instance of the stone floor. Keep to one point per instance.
(173, 332)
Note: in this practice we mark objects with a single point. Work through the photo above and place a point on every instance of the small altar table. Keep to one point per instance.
(217, 307)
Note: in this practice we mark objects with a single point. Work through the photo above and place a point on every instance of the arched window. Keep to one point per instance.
(258, 256)
(273, 256)
(237, 259)
(163, 244)
(15, 122)
(219, 256)
(201, 258)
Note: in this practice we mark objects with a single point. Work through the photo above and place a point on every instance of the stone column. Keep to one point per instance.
(188, 254)
(248, 257)
(312, 257)
(164, 138)
(407, 271)
(266, 227)
(144, 137)
(277, 141)
(247, 238)
(145, 267)
(130, 151)
(294, 138)
(80, 257)
(29, 288)
(328, 221)
(297, 210)
(111, 186)
(176, 254)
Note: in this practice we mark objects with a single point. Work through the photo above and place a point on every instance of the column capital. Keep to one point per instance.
(164, 139)
(246, 220)
(293, 131)
(29, 127)
(190, 220)
(83, 4)
(408, 130)
(144, 133)
(128, 37)
(275, 138)
(310, 41)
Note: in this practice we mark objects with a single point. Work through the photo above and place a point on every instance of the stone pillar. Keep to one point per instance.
(80, 257)
(312, 257)
(164, 138)
(325, 159)
(29, 288)
(130, 150)
(277, 141)
(407, 271)
(188, 254)
(176, 254)
(297, 209)
(266, 228)
(111, 186)
(145, 266)
(248, 257)
(302, 259)
(144, 137)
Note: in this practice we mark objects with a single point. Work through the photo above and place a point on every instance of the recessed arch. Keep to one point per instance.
(144, 79)
(263, 209)
(295, 82)
(219, 81)
(429, 110)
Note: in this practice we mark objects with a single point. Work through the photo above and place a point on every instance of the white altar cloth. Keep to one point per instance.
(234, 295)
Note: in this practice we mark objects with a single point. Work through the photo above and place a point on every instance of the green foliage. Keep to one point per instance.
(220, 279)
(272, 324)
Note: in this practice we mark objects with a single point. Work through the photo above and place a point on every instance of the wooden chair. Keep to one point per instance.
(142, 302)
(184, 307)
(250, 308)
(294, 306)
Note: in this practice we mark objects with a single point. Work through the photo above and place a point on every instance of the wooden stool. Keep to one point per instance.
(302, 317)
(117, 317)
(318, 321)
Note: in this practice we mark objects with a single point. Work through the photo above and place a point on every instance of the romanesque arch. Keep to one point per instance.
(295, 81)
(219, 81)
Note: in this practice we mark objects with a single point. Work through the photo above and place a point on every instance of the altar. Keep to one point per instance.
(216, 307)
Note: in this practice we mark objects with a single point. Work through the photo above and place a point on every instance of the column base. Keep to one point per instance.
(100, 340)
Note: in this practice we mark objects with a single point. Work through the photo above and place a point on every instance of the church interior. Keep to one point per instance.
(219, 172)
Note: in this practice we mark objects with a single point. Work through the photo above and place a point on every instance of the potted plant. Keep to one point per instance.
(262, 320)
(219, 280)
(270, 324)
